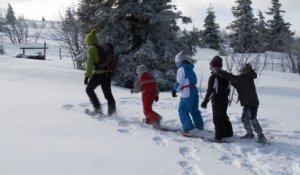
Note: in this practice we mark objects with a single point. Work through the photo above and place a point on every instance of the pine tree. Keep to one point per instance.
(211, 37)
(243, 38)
(143, 32)
(10, 15)
(261, 32)
(279, 35)
(2, 22)
(94, 12)
(15, 29)
(10, 24)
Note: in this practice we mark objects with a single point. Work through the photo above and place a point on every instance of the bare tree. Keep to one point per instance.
(38, 27)
(16, 29)
(22, 29)
(69, 34)
(293, 57)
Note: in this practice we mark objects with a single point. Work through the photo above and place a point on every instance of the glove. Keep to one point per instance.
(218, 72)
(204, 103)
(215, 71)
(174, 93)
(86, 80)
(156, 99)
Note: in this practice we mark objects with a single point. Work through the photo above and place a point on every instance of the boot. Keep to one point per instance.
(247, 136)
(261, 139)
(111, 110)
(98, 111)
(95, 112)
(155, 124)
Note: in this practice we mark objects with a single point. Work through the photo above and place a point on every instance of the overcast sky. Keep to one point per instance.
(50, 9)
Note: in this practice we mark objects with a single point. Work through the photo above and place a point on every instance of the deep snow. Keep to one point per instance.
(44, 130)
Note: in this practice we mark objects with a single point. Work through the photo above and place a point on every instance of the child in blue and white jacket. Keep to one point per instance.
(186, 80)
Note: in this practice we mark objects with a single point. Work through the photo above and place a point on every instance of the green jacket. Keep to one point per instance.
(92, 58)
(244, 84)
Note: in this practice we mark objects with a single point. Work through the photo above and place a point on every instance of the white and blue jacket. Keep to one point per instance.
(186, 80)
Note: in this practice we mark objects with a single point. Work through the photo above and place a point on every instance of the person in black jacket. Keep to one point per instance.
(218, 91)
(244, 84)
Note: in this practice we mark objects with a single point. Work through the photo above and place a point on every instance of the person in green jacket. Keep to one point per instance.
(97, 75)
(244, 84)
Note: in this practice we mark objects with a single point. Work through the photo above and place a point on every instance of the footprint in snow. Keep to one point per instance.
(297, 132)
(274, 131)
(160, 141)
(84, 105)
(179, 140)
(184, 151)
(68, 106)
(123, 124)
(123, 130)
(226, 159)
(188, 169)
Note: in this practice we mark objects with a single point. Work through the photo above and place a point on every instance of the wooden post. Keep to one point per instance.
(45, 49)
(60, 54)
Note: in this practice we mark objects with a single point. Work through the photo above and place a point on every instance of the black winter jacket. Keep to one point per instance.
(222, 90)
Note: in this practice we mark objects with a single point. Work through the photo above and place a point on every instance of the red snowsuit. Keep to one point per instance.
(149, 89)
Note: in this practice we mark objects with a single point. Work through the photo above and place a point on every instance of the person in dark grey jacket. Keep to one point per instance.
(244, 84)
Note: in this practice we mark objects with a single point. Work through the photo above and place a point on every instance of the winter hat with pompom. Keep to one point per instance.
(180, 57)
(141, 69)
(91, 37)
(216, 62)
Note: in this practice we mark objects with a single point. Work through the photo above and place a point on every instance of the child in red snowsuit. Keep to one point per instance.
(147, 85)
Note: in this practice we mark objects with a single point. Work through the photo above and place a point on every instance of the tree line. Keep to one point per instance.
(147, 32)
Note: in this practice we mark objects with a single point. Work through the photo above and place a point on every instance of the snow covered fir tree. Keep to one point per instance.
(243, 38)
(211, 34)
(261, 33)
(143, 32)
(279, 36)
(146, 32)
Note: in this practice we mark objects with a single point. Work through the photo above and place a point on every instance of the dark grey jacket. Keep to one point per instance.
(244, 84)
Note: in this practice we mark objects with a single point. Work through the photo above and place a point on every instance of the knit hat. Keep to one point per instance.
(180, 57)
(141, 69)
(91, 37)
(216, 62)
(246, 67)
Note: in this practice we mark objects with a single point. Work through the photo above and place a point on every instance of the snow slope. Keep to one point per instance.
(44, 130)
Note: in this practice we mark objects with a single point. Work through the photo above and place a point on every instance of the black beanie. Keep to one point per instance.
(216, 62)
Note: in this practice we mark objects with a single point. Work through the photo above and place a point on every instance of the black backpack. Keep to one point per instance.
(108, 59)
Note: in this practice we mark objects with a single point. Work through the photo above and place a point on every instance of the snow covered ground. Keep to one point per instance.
(44, 130)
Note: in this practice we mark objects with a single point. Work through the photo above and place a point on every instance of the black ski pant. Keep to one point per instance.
(249, 119)
(223, 127)
(104, 80)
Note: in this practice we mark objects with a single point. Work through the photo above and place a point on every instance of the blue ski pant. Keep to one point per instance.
(189, 113)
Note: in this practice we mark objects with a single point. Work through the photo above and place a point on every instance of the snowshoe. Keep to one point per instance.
(262, 139)
(193, 133)
(95, 113)
(247, 136)
(219, 140)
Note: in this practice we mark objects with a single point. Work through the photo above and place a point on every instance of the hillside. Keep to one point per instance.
(44, 130)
